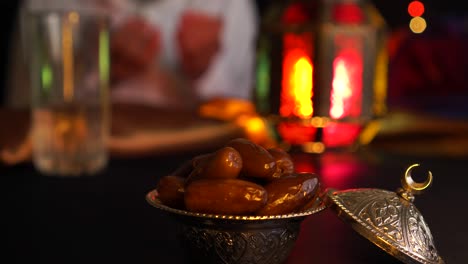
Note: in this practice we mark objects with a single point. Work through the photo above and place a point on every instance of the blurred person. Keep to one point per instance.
(170, 53)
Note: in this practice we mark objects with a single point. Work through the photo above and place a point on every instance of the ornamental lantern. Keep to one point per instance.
(321, 73)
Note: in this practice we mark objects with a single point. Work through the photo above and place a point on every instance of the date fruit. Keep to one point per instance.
(171, 191)
(224, 163)
(257, 161)
(241, 178)
(288, 194)
(224, 196)
(284, 163)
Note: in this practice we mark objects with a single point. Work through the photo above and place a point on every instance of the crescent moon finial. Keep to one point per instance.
(411, 187)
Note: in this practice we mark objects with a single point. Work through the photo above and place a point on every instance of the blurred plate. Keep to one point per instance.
(142, 130)
(136, 130)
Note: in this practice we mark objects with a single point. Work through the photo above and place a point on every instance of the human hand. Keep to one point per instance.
(198, 40)
(134, 46)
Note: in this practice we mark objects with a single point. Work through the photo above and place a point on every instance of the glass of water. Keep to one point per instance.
(68, 53)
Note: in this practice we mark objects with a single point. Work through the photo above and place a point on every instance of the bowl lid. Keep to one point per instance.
(389, 219)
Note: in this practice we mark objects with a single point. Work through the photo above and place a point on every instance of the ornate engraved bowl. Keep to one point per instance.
(237, 239)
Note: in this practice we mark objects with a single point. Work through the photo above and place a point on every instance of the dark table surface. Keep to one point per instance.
(105, 218)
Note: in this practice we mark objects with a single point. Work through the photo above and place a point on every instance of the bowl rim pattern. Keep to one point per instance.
(152, 199)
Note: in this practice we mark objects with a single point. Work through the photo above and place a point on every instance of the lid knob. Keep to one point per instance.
(411, 187)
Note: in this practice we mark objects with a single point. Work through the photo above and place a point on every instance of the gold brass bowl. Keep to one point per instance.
(226, 239)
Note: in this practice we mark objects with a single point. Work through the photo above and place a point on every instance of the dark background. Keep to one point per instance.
(8, 12)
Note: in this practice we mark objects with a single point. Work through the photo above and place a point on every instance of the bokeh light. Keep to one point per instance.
(416, 9)
(417, 25)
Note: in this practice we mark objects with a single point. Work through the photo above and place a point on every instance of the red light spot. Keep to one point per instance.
(303, 162)
(348, 13)
(416, 8)
(341, 134)
(296, 134)
(295, 14)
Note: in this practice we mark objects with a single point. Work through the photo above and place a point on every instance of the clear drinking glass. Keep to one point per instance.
(68, 52)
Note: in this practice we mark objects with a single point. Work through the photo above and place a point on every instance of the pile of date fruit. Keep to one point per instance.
(240, 178)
